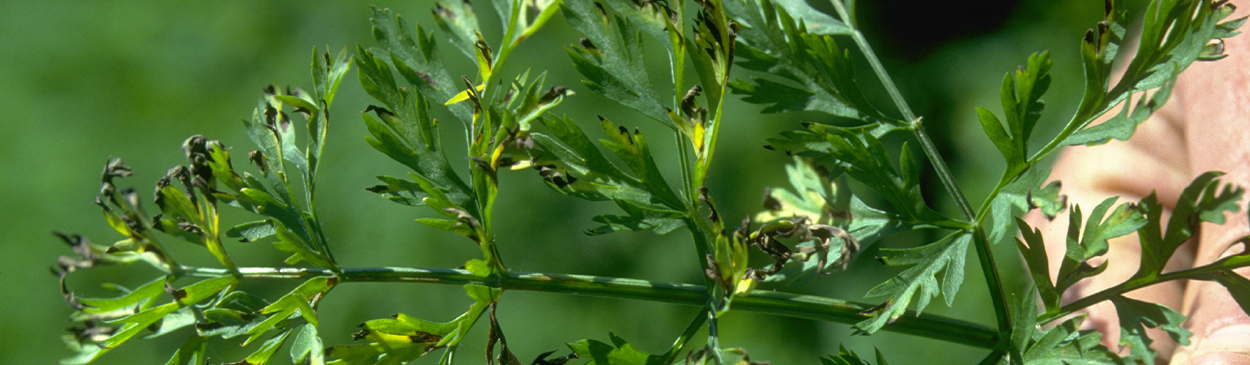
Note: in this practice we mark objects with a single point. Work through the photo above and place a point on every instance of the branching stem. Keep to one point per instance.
(1205, 272)
(984, 251)
(760, 301)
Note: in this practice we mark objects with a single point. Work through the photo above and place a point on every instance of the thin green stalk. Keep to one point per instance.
(705, 163)
(701, 244)
(939, 166)
(687, 181)
(713, 336)
(761, 301)
(990, 269)
(917, 128)
(989, 200)
(316, 222)
(1198, 273)
(680, 344)
(984, 252)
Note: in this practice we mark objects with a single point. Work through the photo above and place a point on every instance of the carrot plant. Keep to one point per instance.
(809, 61)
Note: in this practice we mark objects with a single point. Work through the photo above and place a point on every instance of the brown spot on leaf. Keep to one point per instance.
(553, 93)
(426, 77)
(425, 337)
(178, 294)
(258, 158)
(587, 44)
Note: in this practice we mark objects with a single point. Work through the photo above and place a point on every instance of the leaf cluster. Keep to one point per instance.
(802, 59)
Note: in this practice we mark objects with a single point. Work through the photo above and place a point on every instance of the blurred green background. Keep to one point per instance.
(81, 81)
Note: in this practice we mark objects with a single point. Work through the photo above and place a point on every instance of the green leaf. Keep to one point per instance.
(307, 342)
(534, 103)
(1136, 315)
(281, 125)
(192, 352)
(478, 267)
(177, 320)
(848, 357)
(791, 40)
(262, 129)
(290, 216)
(1122, 125)
(453, 226)
(1202, 201)
(1048, 200)
(571, 164)
(711, 48)
(417, 60)
(826, 202)
(1039, 264)
(141, 296)
(266, 351)
(405, 338)
(1024, 323)
(1020, 94)
(610, 57)
(175, 203)
(297, 247)
(1018, 196)
(778, 97)
(618, 352)
(814, 196)
(459, 23)
(632, 149)
(651, 18)
(252, 231)
(864, 158)
(1174, 35)
(327, 74)
(135, 323)
(401, 191)
(199, 291)
(232, 316)
(814, 142)
(287, 306)
(408, 134)
(1083, 246)
(920, 280)
(1067, 344)
(817, 21)
(822, 202)
(573, 150)
(708, 356)
(1238, 286)
(639, 219)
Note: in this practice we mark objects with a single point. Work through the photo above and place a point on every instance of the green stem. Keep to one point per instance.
(761, 301)
(984, 251)
(680, 344)
(939, 166)
(701, 244)
(1205, 272)
(325, 246)
(990, 269)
